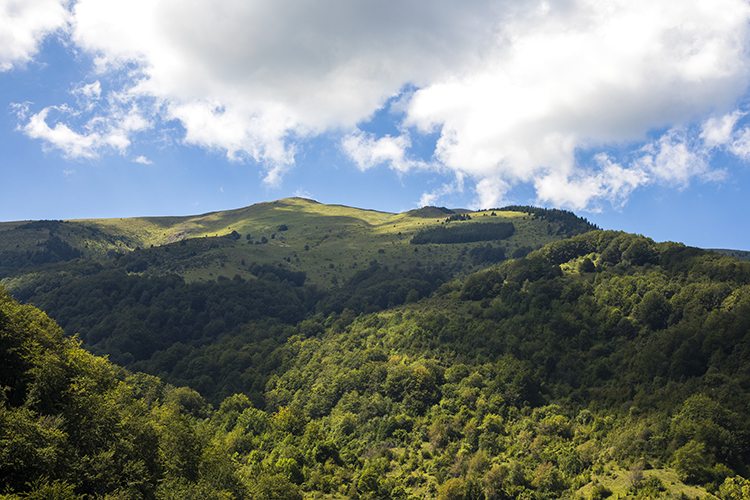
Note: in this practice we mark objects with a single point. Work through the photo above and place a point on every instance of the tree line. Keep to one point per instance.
(464, 233)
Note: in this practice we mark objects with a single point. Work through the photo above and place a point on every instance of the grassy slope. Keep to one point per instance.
(340, 240)
(618, 481)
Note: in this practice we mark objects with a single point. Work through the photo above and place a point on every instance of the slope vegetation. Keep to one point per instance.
(603, 365)
(329, 243)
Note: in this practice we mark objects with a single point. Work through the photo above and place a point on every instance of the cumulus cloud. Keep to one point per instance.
(112, 129)
(143, 160)
(607, 180)
(720, 133)
(581, 75)
(366, 151)
(325, 65)
(256, 133)
(717, 131)
(514, 89)
(672, 160)
(23, 26)
(73, 144)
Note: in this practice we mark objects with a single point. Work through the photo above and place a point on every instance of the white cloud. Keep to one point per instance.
(515, 89)
(23, 26)
(88, 95)
(740, 146)
(251, 78)
(431, 198)
(491, 191)
(111, 131)
(366, 151)
(72, 144)
(90, 90)
(591, 74)
(673, 160)
(258, 133)
(609, 181)
(143, 160)
(717, 131)
(302, 193)
(720, 133)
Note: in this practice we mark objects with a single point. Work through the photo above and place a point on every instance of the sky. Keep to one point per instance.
(631, 113)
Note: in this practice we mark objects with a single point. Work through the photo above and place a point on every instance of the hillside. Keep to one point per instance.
(601, 364)
(329, 243)
(737, 254)
(254, 272)
(605, 365)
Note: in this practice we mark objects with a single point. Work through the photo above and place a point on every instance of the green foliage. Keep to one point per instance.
(599, 492)
(570, 224)
(157, 299)
(653, 487)
(288, 421)
(735, 488)
(43, 489)
(70, 428)
(275, 487)
(654, 310)
(531, 379)
(641, 251)
(487, 253)
(377, 288)
(297, 278)
(50, 251)
(464, 233)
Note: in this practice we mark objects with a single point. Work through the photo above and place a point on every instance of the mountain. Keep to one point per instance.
(249, 272)
(593, 364)
(297, 234)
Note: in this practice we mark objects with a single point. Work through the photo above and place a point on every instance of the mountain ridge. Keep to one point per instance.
(309, 234)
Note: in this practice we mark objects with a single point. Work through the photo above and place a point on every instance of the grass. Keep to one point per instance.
(329, 242)
(618, 481)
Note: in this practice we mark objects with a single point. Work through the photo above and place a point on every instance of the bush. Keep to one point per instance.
(600, 491)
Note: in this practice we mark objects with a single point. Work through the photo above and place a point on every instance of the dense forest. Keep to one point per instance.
(569, 223)
(464, 233)
(604, 365)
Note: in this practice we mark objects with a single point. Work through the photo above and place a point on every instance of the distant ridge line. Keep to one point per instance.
(737, 254)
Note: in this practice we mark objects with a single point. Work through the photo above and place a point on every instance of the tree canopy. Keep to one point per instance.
(602, 365)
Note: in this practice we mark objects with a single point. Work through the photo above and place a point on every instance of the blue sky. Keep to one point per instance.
(633, 113)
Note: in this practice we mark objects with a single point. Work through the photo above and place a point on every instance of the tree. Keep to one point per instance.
(452, 489)
(369, 480)
(640, 252)
(735, 488)
(692, 462)
(654, 310)
(587, 266)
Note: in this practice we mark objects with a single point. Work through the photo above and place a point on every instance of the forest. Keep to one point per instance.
(464, 233)
(600, 366)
